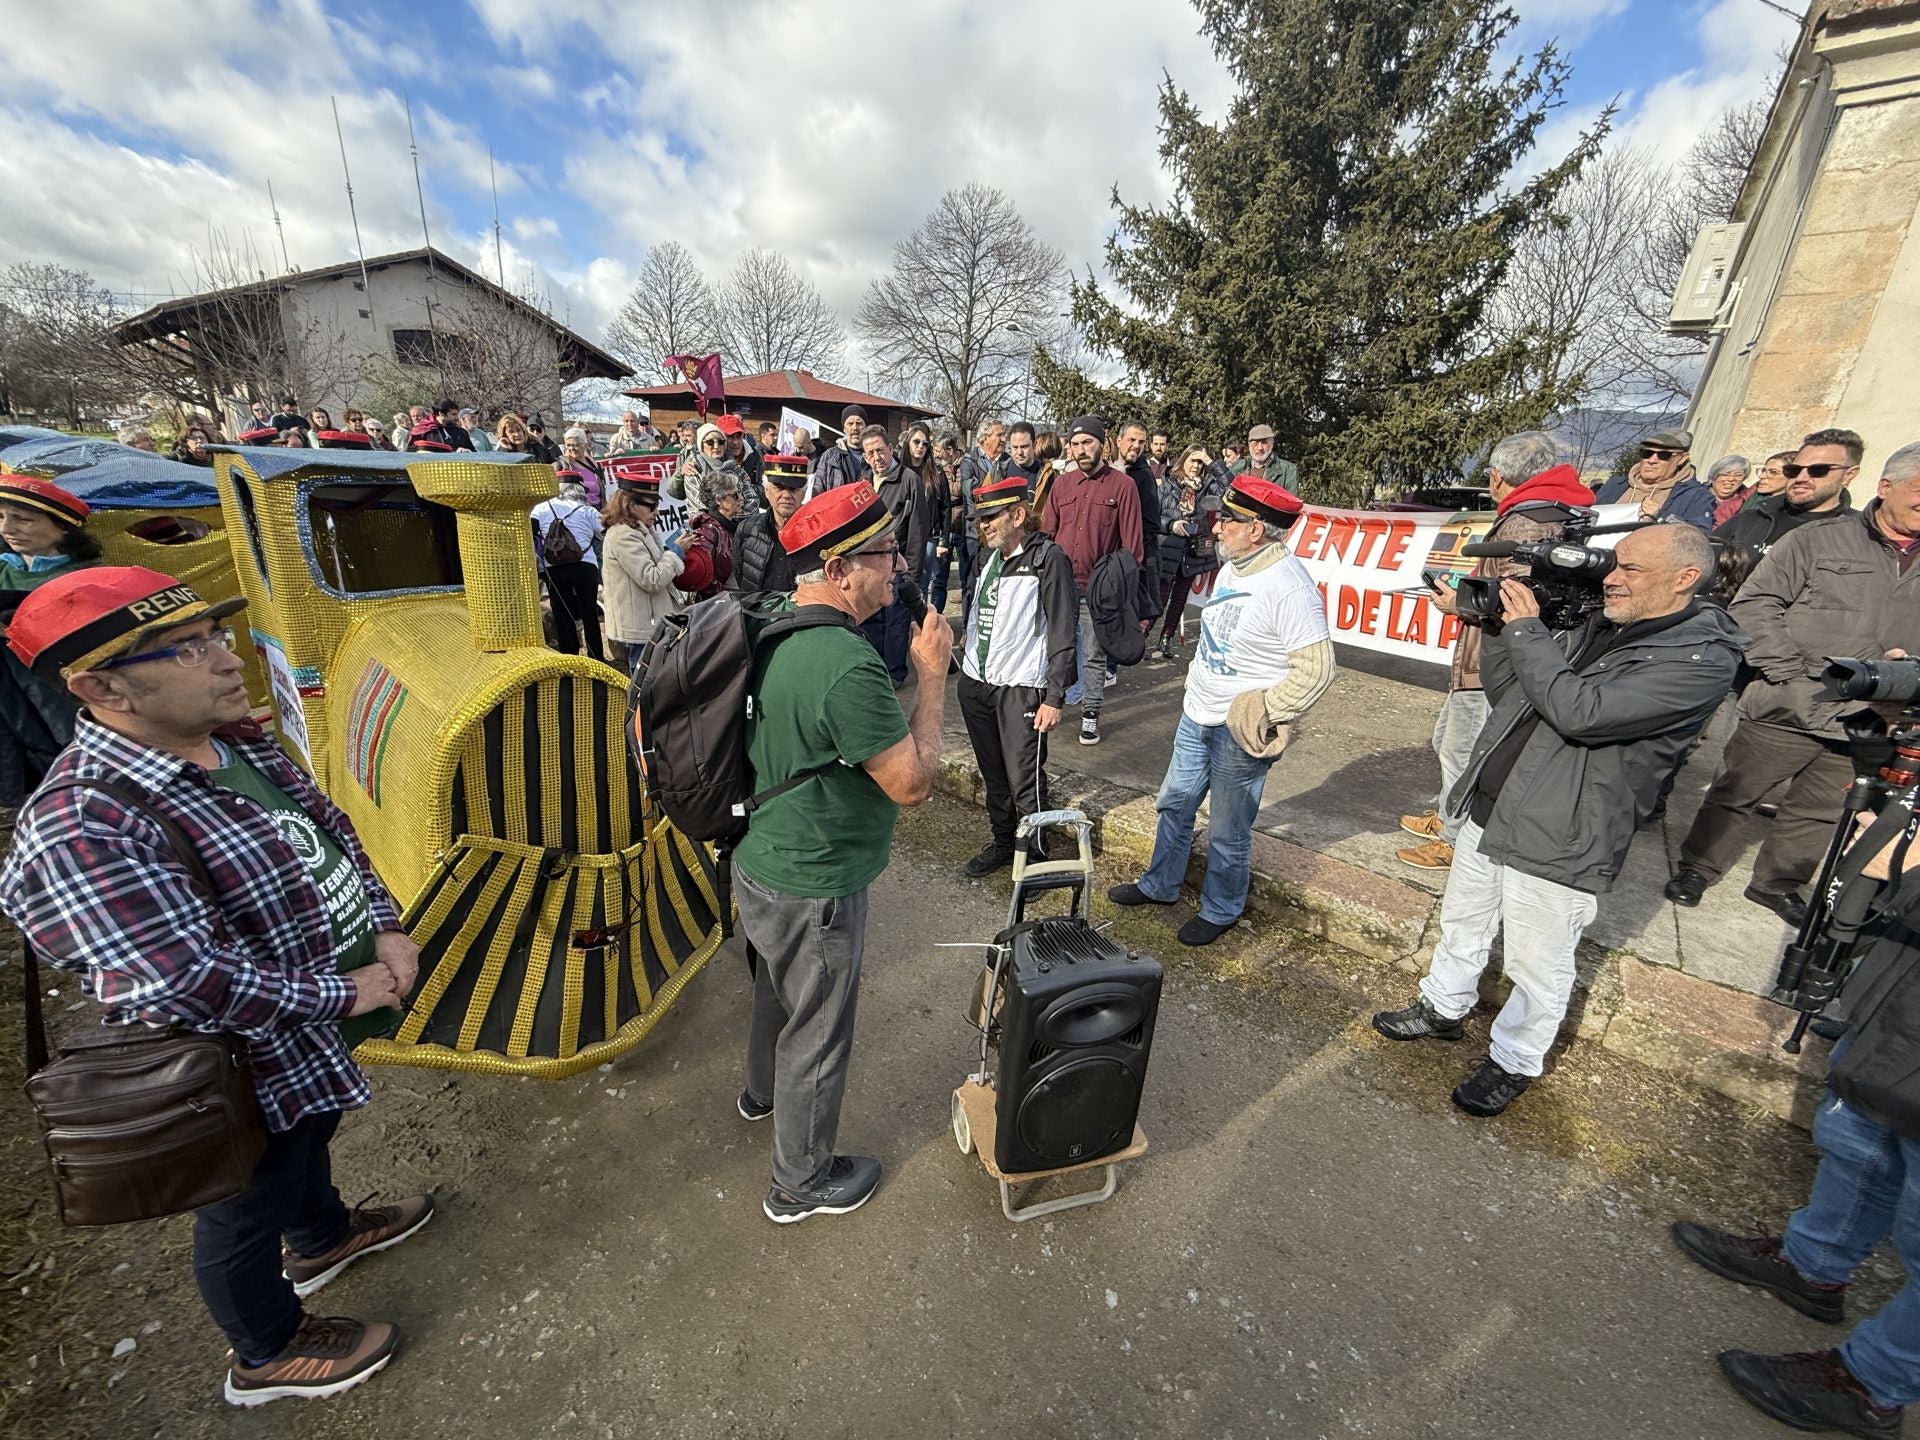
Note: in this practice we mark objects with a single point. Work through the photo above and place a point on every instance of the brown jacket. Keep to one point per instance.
(1523, 523)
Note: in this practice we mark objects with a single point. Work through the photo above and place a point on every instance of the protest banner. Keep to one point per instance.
(1367, 564)
(657, 466)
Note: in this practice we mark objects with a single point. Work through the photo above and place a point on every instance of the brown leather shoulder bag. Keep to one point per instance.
(141, 1122)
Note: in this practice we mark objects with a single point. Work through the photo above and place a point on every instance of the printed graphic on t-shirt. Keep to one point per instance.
(340, 886)
(1218, 621)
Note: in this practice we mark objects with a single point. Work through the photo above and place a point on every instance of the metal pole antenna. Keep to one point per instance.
(366, 286)
(499, 257)
(420, 194)
(274, 205)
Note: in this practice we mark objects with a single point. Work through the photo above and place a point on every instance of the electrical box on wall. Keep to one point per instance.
(1702, 291)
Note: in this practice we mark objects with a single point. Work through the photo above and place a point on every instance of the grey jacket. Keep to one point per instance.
(1609, 736)
(1829, 588)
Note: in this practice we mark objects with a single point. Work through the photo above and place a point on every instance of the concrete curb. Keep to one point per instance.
(1709, 1035)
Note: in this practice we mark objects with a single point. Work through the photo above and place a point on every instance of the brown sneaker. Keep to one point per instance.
(368, 1229)
(1434, 855)
(1426, 824)
(327, 1355)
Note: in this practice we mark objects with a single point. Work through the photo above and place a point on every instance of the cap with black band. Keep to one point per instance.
(77, 620)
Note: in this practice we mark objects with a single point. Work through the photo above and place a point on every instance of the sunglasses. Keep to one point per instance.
(1818, 472)
(1653, 454)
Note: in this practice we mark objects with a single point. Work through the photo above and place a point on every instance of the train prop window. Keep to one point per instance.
(374, 539)
(250, 522)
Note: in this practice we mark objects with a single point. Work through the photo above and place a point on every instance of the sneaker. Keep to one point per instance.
(990, 859)
(1113, 678)
(1434, 855)
(326, 1355)
(850, 1183)
(369, 1229)
(1686, 887)
(1426, 824)
(1809, 1391)
(1419, 1021)
(1789, 905)
(1489, 1089)
(750, 1108)
(1132, 894)
(1199, 931)
(1756, 1260)
(1165, 652)
(1089, 729)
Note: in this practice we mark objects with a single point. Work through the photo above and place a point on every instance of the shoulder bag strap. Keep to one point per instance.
(182, 847)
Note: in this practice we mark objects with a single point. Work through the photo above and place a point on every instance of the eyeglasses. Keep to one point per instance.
(886, 554)
(710, 443)
(1653, 454)
(1818, 472)
(189, 654)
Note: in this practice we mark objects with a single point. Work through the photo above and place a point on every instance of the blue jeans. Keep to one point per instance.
(1867, 1188)
(1205, 758)
(932, 578)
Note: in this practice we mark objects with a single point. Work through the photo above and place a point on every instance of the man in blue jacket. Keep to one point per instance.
(1663, 482)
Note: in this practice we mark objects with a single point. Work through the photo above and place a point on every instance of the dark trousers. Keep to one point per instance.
(575, 592)
(890, 631)
(1012, 754)
(236, 1244)
(966, 557)
(805, 989)
(1178, 588)
(1760, 757)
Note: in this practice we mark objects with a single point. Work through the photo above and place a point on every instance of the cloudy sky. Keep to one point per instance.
(825, 129)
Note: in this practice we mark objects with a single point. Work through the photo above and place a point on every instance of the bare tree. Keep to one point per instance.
(769, 317)
(238, 337)
(56, 348)
(669, 311)
(972, 295)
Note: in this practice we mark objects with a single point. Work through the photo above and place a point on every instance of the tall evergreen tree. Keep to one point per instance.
(1335, 239)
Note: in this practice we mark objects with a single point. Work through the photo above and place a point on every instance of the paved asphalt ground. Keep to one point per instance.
(1316, 1245)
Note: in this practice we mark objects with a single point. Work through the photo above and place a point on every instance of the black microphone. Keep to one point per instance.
(907, 592)
(1490, 549)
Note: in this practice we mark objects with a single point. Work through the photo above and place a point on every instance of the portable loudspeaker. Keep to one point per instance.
(1076, 1016)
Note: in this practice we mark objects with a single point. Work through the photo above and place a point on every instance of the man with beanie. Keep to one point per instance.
(1017, 662)
(1265, 655)
(825, 725)
(292, 934)
(842, 463)
(1091, 511)
(1534, 499)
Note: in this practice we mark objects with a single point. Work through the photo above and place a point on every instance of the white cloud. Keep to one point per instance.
(1739, 44)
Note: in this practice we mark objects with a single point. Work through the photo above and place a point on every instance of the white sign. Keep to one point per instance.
(792, 422)
(287, 713)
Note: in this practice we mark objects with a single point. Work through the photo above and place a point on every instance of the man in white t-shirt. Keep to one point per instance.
(566, 551)
(1265, 655)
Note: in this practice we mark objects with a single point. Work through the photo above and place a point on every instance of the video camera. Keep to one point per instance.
(1564, 575)
(1841, 907)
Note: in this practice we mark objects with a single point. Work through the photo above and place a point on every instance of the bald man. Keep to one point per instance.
(1586, 725)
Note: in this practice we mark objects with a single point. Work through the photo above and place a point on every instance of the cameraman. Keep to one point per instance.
(1585, 727)
(1866, 1189)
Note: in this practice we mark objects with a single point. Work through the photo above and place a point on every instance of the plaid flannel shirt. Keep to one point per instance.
(97, 889)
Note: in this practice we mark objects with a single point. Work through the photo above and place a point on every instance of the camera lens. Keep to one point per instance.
(1897, 681)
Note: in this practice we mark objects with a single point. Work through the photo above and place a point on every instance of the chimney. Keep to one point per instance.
(492, 502)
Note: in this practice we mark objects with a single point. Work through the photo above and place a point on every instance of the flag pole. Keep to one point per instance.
(366, 285)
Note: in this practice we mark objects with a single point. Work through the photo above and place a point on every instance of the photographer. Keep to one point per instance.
(1585, 726)
(1866, 1190)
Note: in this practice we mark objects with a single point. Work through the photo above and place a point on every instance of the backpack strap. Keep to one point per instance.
(177, 840)
(803, 617)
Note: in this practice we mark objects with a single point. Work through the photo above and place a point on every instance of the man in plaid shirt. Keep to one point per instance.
(297, 935)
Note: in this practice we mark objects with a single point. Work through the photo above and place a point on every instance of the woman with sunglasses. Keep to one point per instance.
(705, 463)
(1663, 483)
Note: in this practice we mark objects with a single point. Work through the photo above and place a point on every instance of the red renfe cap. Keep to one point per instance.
(842, 521)
(44, 496)
(76, 620)
(1252, 498)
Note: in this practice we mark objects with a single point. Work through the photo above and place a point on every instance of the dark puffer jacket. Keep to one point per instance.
(1610, 735)
(760, 562)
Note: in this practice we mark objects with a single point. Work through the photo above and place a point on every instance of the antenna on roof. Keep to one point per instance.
(420, 194)
(366, 287)
(499, 256)
(274, 205)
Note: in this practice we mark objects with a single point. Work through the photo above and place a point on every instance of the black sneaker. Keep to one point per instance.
(1089, 729)
(1132, 894)
(1809, 1391)
(990, 859)
(750, 1108)
(1789, 905)
(850, 1183)
(1686, 887)
(1489, 1089)
(1419, 1021)
(1756, 1260)
(1200, 931)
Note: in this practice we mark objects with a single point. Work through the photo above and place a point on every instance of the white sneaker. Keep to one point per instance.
(1090, 730)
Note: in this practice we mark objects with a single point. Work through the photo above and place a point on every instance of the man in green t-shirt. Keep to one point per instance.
(822, 702)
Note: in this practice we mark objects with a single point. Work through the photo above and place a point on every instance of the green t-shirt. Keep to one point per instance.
(348, 914)
(822, 695)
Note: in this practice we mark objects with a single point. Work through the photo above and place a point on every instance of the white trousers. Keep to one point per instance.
(1543, 923)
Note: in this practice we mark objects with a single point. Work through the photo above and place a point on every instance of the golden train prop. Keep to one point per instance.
(393, 602)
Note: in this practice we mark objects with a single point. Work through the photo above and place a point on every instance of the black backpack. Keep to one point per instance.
(690, 702)
(559, 545)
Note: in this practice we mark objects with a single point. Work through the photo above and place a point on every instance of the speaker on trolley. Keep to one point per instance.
(1076, 1016)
